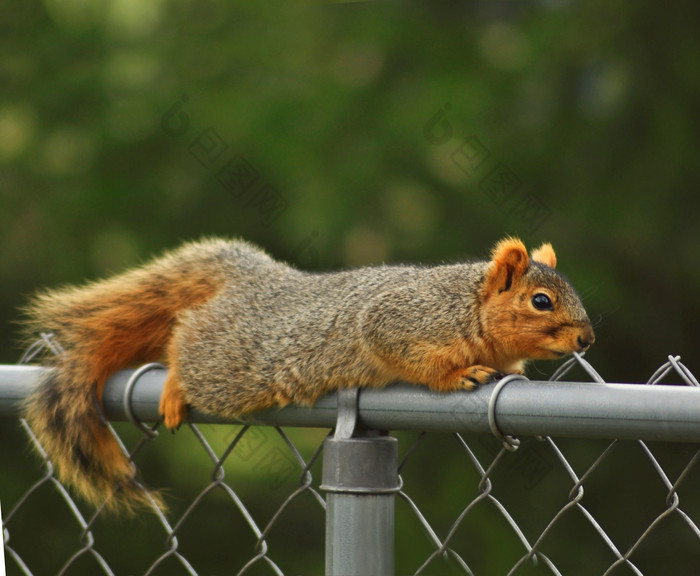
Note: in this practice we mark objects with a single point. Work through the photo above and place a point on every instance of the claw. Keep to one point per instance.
(468, 378)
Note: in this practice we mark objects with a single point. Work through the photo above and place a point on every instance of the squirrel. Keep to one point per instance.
(241, 332)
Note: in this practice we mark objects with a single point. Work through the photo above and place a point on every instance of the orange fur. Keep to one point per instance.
(510, 319)
(509, 262)
(545, 255)
(104, 327)
(173, 405)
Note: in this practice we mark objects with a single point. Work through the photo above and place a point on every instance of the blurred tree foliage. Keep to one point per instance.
(376, 132)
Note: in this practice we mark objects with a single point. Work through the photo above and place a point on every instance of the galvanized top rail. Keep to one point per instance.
(519, 407)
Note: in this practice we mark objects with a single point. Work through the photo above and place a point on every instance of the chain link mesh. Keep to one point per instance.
(469, 504)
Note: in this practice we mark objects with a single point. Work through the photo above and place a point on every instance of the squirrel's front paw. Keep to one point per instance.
(478, 375)
(468, 378)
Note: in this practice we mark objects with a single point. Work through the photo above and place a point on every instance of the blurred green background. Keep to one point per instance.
(357, 133)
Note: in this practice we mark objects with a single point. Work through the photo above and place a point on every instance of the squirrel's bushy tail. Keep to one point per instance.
(101, 328)
(64, 415)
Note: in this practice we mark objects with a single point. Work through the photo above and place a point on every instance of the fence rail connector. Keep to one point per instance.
(360, 477)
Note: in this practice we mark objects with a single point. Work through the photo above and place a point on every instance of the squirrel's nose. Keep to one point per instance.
(586, 338)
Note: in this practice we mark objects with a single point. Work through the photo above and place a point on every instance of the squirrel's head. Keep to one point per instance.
(528, 307)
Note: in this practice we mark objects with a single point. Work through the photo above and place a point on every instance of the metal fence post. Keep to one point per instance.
(360, 478)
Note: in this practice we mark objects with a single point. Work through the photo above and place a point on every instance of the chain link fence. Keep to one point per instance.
(465, 496)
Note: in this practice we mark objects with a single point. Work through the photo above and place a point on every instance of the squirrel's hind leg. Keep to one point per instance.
(173, 406)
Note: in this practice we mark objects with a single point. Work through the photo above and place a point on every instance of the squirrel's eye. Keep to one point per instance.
(542, 302)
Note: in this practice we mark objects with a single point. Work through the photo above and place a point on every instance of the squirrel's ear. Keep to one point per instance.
(509, 262)
(545, 255)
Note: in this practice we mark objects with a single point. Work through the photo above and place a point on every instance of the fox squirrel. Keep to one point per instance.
(242, 332)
